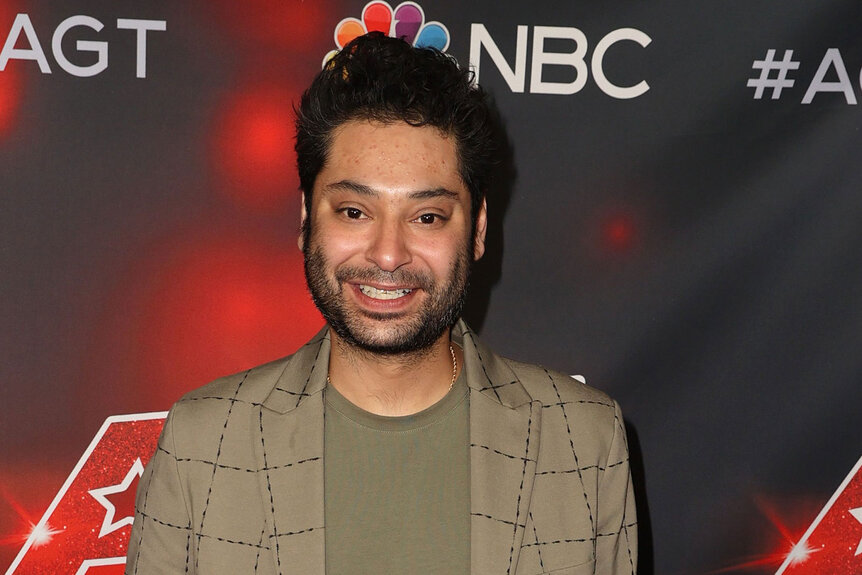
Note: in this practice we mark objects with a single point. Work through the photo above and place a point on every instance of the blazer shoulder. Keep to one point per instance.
(575, 411)
(254, 387)
(551, 387)
(222, 408)
(250, 386)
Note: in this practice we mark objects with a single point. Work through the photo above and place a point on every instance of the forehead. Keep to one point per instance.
(392, 156)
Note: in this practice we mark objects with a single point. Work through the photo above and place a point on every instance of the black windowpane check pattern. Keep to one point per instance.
(236, 484)
(567, 504)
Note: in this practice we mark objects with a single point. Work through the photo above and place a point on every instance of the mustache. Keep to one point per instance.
(376, 275)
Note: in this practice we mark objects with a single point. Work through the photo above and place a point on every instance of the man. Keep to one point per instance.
(393, 441)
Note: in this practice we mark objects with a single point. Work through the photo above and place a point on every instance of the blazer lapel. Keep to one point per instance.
(287, 429)
(504, 446)
(288, 436)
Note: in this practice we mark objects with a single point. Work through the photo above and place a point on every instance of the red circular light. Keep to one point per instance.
(199, 308)
(254, 148)
(619, 232)
(297, 26)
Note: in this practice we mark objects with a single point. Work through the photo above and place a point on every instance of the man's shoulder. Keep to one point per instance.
(559, 392)
(571, 409)
(551, 387)
(200, 416)
(250, 385)
(542, 384)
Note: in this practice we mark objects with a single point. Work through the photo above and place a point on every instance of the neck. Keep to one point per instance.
(392, 385)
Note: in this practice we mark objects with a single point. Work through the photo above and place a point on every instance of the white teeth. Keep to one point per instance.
(375, 293)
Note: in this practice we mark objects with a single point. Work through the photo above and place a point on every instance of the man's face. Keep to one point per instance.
(388, 255)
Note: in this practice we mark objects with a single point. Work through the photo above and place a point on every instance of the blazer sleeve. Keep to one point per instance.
(161, 537)
(616, 543)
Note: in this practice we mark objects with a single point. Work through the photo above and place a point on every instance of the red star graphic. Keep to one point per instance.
(86, 528)
(121, 511)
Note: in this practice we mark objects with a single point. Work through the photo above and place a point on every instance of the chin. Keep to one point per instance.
(389, 339)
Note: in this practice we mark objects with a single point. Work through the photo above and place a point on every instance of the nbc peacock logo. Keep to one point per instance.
(406, 21)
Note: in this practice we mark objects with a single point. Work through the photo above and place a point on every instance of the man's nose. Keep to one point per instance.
(389, 248)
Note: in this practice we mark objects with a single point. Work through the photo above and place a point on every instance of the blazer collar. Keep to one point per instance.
(486, 371)
(504, 447)
(304, 375)
(305, 372)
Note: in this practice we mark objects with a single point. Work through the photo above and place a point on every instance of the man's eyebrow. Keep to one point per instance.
(351, 186)
(435, 193)
(364, 190)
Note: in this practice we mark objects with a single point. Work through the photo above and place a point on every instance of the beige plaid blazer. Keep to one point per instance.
(236, 484)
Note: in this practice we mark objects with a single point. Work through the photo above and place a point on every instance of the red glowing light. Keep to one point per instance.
(619, 232)
(42, 534)
(772, 515)
(25, 491)
(11, 82)
(15, 505)
(201, 307)
(254, 148)
(800, 553)
(833, 542)
(785, 527)
(297, 26)
(10, 98)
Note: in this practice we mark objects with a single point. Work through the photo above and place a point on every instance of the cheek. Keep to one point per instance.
(441, 256)
(337, 246)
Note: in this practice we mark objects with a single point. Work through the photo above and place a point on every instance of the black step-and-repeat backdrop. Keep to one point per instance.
(678, 220)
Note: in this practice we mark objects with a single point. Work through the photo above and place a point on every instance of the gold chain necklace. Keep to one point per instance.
(454, 370)
(454, 366)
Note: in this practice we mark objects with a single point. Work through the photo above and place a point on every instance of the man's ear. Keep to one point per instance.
(481, 229)
(300, 241)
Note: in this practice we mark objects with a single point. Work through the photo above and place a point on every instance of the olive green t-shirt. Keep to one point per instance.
(397, 489)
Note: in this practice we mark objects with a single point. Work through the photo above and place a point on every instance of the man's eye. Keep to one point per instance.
(353, 213)
(429, 218)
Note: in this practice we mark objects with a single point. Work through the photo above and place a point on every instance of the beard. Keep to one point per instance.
(401, 333)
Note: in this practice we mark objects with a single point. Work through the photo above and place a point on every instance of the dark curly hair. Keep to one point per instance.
(387, 80)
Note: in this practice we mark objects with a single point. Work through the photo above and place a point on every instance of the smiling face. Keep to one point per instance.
(388, 253)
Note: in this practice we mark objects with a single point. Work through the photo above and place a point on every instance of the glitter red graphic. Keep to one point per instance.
(86, 528)
(833, 542)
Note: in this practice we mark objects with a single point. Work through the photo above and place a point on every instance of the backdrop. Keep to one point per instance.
(678, 219)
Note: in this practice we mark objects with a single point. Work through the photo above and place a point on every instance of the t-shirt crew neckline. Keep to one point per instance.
(402, 423)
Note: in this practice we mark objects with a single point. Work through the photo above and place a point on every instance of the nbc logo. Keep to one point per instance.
(406, 21)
